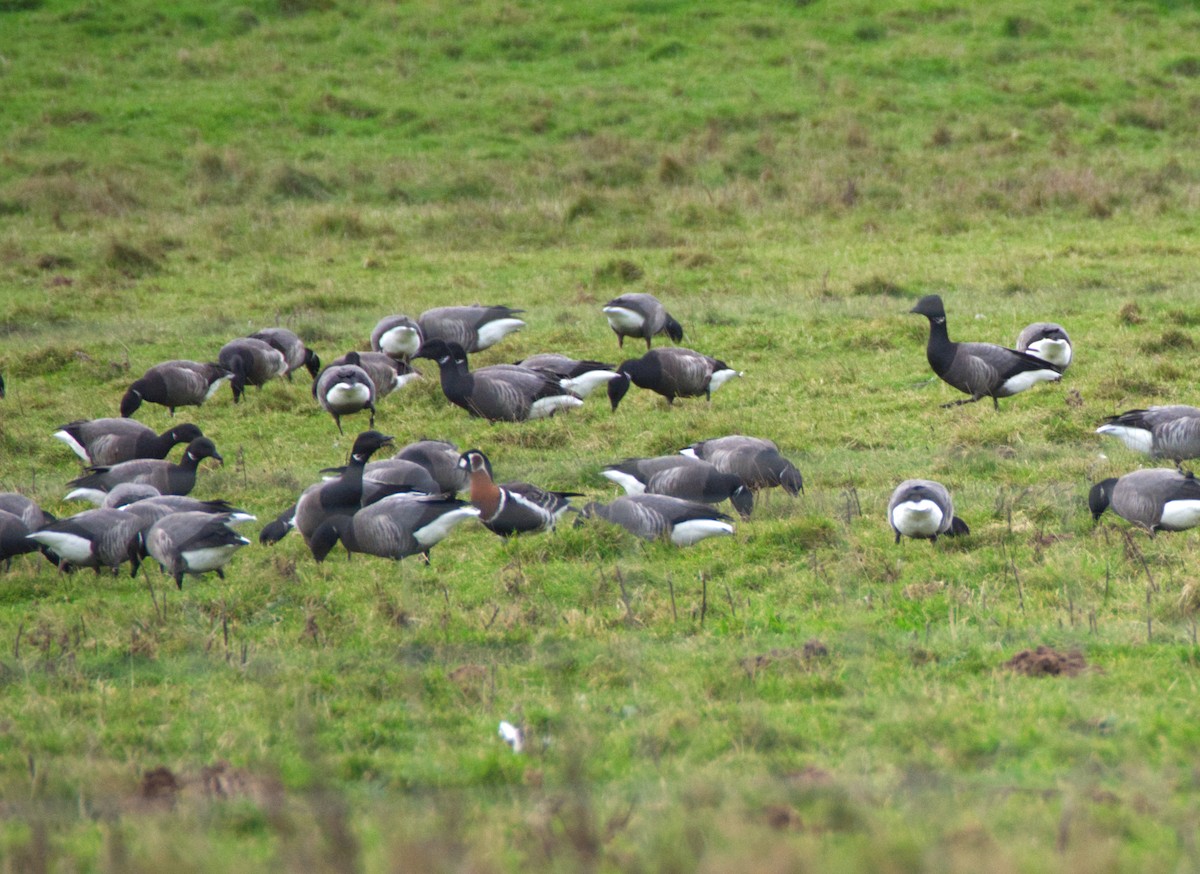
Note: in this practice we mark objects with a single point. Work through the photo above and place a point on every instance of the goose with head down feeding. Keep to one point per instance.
(673, 372)
(251, 362)
(755, 459)
(1161, 432)
(344, 390)
(397, 336)
(923, 509)
(1155, 499)
(193, 543)
(172, 384)
(393, 527)
(640, 315)
(1048, 341)
(682, 522)
(475, 328)
(293, 349)
(681, 476)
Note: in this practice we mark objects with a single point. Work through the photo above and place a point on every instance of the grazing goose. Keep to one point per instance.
(1157, 499)
(755, 459)
(652, 516)
(340, 496)
(344, 390)
(26, 509)
(127, 493)
(1048, 341)
(397, 336)
(640, 315)
(154, 508)
(1161, 432)
(674, 372)
(94, 538)
(294, 351)
(382, 477)
(393, 527)
(14, 538)
(923, 509)
(475, 328)
(104, 442)
(513, 507)
(252, 362)
(193, 543)
(174, 384)
(979, 369)
(502, 392)
(440, 458)
(387, 374)
(168, 478)
(680, 476)
(581, 377)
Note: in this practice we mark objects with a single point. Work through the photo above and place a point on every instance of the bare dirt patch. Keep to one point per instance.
(1046, 661)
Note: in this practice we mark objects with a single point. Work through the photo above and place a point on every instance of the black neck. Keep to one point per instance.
(940, 350)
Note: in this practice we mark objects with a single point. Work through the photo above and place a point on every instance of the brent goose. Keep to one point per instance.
(393, 527)
(14, 538)
(387, 373)
(344, 390)
(1157, 499)
(1161, 432)
(167, 477)
(475, 328)
(681, 476)
(755, 459)
(252, 362)
(979, 369)
(581, 377)
(339, 496)
(640, 315)
(193, 543)
(513, 507)
(294, 351)
(502, 392)
(94, 538)
(1048, 341)
(673, 372)
(103, 442)
(26, 509)
(440, 458)
(653, 516)
(152, 509)
(923, 509)
(174, 384)
(397, 336)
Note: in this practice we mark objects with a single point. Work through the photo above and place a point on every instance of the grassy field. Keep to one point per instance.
(788, 178)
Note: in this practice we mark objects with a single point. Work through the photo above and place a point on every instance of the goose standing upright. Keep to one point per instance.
(294, 351)
(640, 315)
(475, 328)
(673, 372)
(1048, 341)
(512, 507)
(105, 442)
(1161, 432)
(979, 369)
(923, 509)
(1156, 499)
(172, 384)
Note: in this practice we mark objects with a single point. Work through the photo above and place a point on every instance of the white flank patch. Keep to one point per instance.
(494, 332)
(403, 379)
(239, 518)
(1137, 439)
(348, 394)
(917, 518)
(212, 389)
(403, 340)
(721, 377)
(209, 558)
(75, 445)
(1055, 351)
(695, 530)
(689, 452)
(622, 319)
(630, 484)
(70, 547)
(586, 383)
(436, 530)
(94, 496)
(548, 406)
(512, 736)
(1017, 384)
(1180, 515)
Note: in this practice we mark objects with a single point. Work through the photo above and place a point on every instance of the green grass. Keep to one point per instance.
(788, 178)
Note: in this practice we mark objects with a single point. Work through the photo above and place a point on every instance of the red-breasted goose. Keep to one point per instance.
(1161, 432)
(661, 516)
(397, 336)
(104, 442)
(755, 459)
(512, 507)
(344, 390)
(251, 362)
(640, 315)
(393, 527)
(581, 377)
(475, 328)
(294, 351)
(1048, 341)
(193, 543)
(174, 384)
(982, 370)
(169, 478)
(681, 476)
(502, 392)
(673, 372)
(923, 509)
(1156, 499)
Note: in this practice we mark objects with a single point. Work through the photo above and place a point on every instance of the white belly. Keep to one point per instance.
(1180, 515)
(917, 518)
(197, 561)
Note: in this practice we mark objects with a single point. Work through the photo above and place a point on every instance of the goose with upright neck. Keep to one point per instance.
(512, 507)
(167, 477)
(980, 370)
(103, 442)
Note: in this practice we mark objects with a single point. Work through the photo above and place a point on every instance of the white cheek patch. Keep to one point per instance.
(1180, 515)
(695, 530)
(1137, 439)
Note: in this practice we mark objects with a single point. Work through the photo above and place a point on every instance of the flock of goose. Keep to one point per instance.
(405, 504)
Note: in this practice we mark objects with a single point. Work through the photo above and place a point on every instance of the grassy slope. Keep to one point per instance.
(788, 178)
